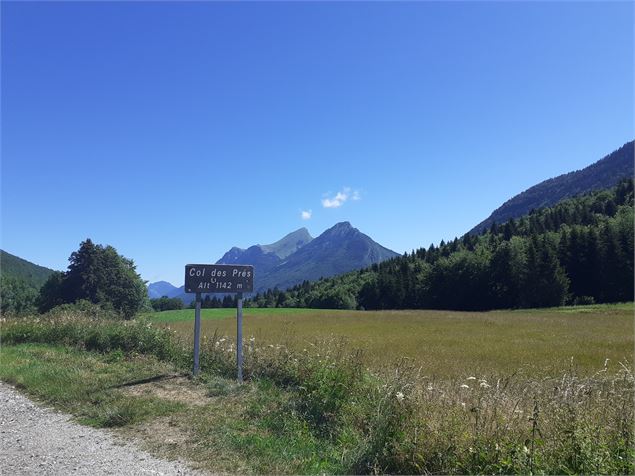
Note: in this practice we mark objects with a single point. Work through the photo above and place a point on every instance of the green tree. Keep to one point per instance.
(615, 272)
(545, 283)
(506, 267)
(16, 296)
(51, 293)
(165, 303)
(99, 275)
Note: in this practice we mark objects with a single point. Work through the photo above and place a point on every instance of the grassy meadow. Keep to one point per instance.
(480, 393)
(445, 344)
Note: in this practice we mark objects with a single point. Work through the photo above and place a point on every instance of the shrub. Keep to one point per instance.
(583, 300)
(165, 303)
(83, 308)
(68, 327)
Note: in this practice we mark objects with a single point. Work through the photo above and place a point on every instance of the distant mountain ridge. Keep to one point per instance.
(266, 257)
(338, 250)
(604, 173)
(162, 288)
(14, 267)
(298, 257)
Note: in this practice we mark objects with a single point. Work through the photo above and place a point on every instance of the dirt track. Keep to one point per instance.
(38, 440)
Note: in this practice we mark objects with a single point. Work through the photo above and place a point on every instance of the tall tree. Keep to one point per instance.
(100, 275)
(545, 282)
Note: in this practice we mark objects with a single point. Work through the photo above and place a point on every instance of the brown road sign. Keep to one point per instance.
(219, 278)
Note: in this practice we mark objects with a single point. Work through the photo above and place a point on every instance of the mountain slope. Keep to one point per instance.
(339, 249)
(289, 244)
(266, 257)
(604, 173)
(14, 267)
(162, 288)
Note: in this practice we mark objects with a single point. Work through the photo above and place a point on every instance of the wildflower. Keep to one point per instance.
(399, 396)
(525, 450)
(465, 386)
(463, 405)
(252, 339)
(222, 340)
(430, 387)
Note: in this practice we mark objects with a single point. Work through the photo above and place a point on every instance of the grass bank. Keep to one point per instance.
(320, 409)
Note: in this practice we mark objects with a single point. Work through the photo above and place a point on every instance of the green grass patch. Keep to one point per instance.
(258, 431)
(85, 384)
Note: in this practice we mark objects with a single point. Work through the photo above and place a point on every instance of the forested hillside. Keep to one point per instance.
(14, 267)
(579, 251)
(603, 174)
(20, 282)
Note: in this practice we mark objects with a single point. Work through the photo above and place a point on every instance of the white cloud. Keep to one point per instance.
(306, 214)
(335, 202)
(340, 197)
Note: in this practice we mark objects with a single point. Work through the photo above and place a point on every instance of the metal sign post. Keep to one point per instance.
(239, 337)
(219, 278)
(197, 334)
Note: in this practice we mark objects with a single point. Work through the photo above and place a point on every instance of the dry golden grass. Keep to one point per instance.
(321, 411)
(444, 343)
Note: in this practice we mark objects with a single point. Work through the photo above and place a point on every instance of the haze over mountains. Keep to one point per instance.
(604, 173)
(298, 257)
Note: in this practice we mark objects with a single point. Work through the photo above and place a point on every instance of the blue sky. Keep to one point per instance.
(174, 131)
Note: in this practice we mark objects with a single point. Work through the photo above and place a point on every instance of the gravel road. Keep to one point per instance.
(38, 440)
